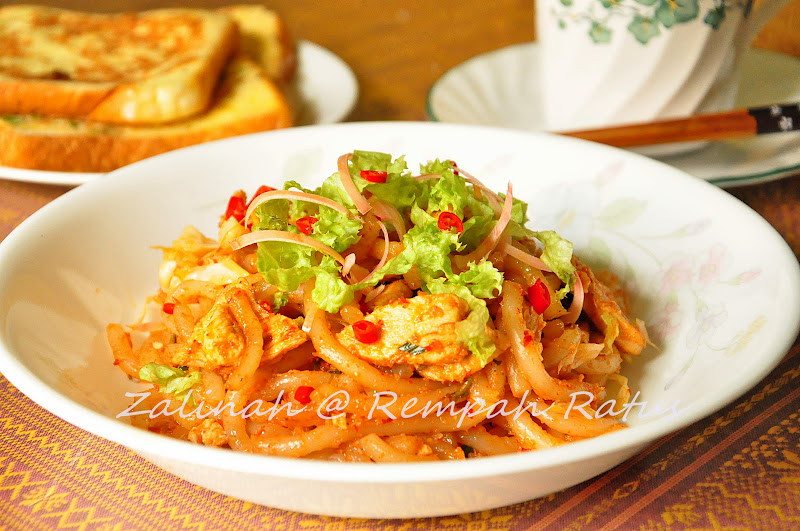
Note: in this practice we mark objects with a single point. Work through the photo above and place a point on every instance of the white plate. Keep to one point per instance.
(325, 84)
(500, 88)
(717, 285)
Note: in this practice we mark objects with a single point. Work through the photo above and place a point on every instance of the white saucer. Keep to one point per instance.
(326, 86)
(499, 89)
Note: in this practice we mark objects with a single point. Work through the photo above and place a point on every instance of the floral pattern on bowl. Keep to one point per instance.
(690, 285)
(718, 285)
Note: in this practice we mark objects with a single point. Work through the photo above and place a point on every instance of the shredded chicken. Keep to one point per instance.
(600, 300)
(208, 432)
(218, 340)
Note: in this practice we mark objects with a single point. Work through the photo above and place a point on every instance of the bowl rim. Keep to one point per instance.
(161, 447)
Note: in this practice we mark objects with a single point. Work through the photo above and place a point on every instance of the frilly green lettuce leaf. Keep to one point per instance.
(299, 209)
(612, 332)
(401, 191)
(558, 257)
(285, 265)
(375, 161)
(272, 215)
(331, 292)
(477, 283)
(332, 189)
(519, 210)
(436, 166)
(171, 380)
(430, 246)
(483, 280)
(336, 230)
(448, 193)
(477, 229)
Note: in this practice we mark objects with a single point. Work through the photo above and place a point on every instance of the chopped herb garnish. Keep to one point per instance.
(412, 348)
(279, 300)
(13, 119)
(327, 367)
(464, 389)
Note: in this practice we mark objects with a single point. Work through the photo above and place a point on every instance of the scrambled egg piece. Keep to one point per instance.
(208, 432)
(218, 341)
(282, 335)
(428, 321)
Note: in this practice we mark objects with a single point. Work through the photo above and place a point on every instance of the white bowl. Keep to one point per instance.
(716, 284)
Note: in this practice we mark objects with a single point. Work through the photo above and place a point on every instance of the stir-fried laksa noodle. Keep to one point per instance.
(382, 317)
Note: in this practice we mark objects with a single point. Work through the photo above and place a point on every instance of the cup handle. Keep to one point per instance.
(756, 20)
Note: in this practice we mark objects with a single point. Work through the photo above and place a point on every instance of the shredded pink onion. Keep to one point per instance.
(386, 211)
(576, 307)
(284, 236)
(491, 241)
(293, 195)
(375, 292)
(385, 253)
(362, 205)
(309, 318)
(527, 258)
(349, 262)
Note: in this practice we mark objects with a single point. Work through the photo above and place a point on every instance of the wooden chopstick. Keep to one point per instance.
(716, 126)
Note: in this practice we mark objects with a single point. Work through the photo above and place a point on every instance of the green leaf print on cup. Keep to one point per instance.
(647, 18)
(671, 12)
(599, 33)
(715, 16)
(643, 28)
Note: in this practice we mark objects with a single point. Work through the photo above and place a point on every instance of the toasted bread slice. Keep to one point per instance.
(246, 101)
(133, 68)
(265, 38)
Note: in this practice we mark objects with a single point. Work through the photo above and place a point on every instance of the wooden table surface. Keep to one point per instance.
(398, 49)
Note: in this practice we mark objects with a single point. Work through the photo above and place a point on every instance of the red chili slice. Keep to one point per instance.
(539, 296)
(448, 220)
(455, 171)
(303, 394)
(306, 224)
(261, 189)
(236, 208)
(366, 331)
(374, 176)
(168, 307)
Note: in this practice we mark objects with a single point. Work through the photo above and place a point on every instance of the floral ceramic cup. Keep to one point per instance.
(607, 62)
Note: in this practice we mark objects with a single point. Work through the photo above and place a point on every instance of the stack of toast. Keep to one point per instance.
(88, 92)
